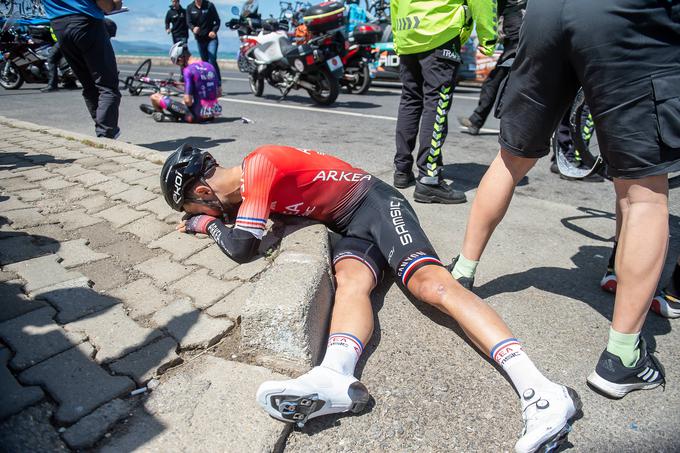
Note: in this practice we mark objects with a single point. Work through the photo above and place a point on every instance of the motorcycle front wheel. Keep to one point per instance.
(363, 82)
(10, 79)
(256, 85)
(326, 89)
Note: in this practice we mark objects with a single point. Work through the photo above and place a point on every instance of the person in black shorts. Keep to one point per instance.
(626, 55)
(379, 230)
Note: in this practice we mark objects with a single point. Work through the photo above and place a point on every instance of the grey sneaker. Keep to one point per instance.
(466, 282)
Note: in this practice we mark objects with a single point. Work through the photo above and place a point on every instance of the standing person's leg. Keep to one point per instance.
(530, 113)
(212, 55)
(203, 50)
(69, 30)
(667, 301)
(439, 69)
(53, 68)
(408, 119)
(331, 387)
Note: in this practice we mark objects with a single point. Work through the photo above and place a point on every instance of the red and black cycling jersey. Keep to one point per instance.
(298, 182)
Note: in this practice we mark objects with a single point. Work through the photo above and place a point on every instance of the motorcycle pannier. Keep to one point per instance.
(324, 17)
(366, 34)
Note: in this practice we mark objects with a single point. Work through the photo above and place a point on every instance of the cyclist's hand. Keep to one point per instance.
(196, 30)
(167, 30)
(196, 224)
(212, 35)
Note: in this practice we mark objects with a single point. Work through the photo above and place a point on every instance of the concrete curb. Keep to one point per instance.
(285, 319)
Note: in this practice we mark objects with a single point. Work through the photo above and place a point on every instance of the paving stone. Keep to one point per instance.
(89, 161)
(17, 184)
(14, 397)
(31, 195)
(31, 431)
(71, 171)
(181, 245)
(11, 203)
(6, 276)
(120, 215)
(214, 259)
(20, 248)
(135, 195)
(42, 272)
(112, 187)
(164, 271)
(48, 235)
(80, 282)
(129, 175)
(51, 205)
(95, 203)
(208, 408)
(75, 219)
(100, 234)
(158, 207)
(106, 166)
(106, 274)
(55, 183)
(13, 302)
(91, 178)
(145, 165)
(23, 218)
(124, 159)
(142, 298)
(232, 304)
(101, 152)
(77, 383)
(76, 252)
(247, 271)
(91, 428)
(152, 360)
(76, 302)
(149, 183)
(148, 228)
(75, 193)
(36, 337)
(203, 289)
(36, 174)
(129, 253)
(112, 333)
(191, 328)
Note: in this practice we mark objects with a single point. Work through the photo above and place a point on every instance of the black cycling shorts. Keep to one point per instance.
(384, 230)
(625, 54)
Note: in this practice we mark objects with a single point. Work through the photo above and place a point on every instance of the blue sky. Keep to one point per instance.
(145, 20)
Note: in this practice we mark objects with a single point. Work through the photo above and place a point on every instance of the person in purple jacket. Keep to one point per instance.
(201, 91)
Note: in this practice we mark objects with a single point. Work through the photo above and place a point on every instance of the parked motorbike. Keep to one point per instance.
(358, 59)
(286, 66)
(24, 59)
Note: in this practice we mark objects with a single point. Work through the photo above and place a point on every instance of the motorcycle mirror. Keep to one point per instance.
(234, 10)
(288, 14)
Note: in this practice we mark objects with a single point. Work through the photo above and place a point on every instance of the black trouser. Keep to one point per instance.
(428, 80)
(53, 60)
(490, 87)
(178, 38)
(87, 48)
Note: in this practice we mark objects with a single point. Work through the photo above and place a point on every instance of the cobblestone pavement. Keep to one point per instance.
(101, 296)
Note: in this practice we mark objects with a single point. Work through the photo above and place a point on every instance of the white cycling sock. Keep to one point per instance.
(342, 353)
(524, 375)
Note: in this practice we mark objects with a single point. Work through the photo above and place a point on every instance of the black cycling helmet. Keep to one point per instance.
(181, 169)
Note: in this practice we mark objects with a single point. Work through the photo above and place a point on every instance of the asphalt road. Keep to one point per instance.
(432, 392)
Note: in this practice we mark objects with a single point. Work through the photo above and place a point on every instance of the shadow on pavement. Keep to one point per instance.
(467, 176)
(201, 142)
(19, 159)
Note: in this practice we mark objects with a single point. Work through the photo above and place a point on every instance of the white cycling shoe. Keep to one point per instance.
(547, 413)
(319, 392)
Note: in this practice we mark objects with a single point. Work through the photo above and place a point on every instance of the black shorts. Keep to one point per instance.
(384, 231)
(625, 54)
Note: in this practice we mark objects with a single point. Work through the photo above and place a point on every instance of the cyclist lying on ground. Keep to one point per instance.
(379, 229)
(201, 91)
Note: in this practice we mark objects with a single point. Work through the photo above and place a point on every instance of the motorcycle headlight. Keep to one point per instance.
(299, 65)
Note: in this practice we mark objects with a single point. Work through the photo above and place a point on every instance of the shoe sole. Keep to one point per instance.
(435, 199)
(553, 443)
(617, 390)
(404, 186)
(663, 308)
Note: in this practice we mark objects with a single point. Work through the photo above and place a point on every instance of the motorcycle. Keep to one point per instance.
(358, 59)
(24, 59)
(286, 66)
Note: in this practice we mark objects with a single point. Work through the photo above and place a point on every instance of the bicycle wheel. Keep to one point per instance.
(135, 85)
(587, 151)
